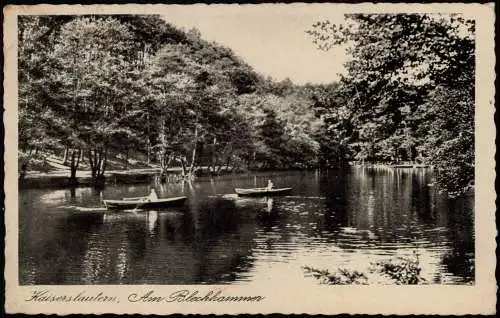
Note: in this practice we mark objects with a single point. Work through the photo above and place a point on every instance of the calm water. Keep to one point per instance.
(332, 220)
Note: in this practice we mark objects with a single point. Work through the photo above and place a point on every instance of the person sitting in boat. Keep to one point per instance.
(152, 195)
(270, 185)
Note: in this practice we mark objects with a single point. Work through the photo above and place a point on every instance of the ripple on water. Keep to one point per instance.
(331, 221)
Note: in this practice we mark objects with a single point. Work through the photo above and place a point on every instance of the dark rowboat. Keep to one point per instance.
(130, 203)
(261, 192)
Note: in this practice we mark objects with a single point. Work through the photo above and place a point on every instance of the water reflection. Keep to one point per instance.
(152, 218)
(332, 219)
(270, 202)
(460, 257)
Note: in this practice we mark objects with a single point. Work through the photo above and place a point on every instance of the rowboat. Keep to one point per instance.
(142, 203)
(261, 192)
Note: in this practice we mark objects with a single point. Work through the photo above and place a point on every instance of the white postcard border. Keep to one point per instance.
(479, 298)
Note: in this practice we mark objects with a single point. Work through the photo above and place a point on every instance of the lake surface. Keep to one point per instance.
(332, 219)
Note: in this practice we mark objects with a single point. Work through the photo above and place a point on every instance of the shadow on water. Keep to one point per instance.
(216, 218)
(178, 227)
(222, 242)
(423, 197)
(65, 239)
(269, 215)
(460, 259)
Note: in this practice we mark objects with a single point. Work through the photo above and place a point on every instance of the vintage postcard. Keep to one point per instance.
(271, 158)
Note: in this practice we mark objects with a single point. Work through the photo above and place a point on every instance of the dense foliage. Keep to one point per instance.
(97, 88)
(343, 277)
(408, 93)
(92, 87)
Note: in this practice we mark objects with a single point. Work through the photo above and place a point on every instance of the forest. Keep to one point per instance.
(95, 89)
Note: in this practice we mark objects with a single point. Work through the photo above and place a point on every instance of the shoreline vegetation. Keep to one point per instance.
(103, 93)
(50, 171)
(400, 271)
(59, 177)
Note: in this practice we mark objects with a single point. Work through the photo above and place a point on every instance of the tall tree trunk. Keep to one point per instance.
(213, 155)
(105, 161)
(166, 160)
(75, 85)
(126, 158)
(228, 162)
(79, 158)
(193, 154)
(99, 163)
(148, 152)
(163, 157)
(76, 154)
(183, 167)
(148, 142)
(73, 167)
(66, 152)
(91, 162)
(96, 162)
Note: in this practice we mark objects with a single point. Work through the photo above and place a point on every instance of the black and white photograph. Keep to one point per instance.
(265, 147)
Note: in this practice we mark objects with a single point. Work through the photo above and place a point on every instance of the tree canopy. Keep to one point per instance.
(408, 93)
(102, 87)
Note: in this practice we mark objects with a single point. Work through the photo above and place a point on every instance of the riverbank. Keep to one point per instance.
(402, 165)
(61, 178)
(56, 179)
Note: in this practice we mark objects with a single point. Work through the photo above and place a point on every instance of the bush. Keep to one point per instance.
(403, 271)
(343, 277)
(33, 162)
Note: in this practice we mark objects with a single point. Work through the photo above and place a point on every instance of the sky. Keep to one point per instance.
(271, 39)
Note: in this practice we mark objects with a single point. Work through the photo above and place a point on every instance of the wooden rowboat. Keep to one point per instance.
(261, 192)
(135, 199)
(143, 204)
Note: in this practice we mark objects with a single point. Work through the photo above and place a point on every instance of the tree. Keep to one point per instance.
(35, 116)
(92, 56)
(97, 87)
(402, 67)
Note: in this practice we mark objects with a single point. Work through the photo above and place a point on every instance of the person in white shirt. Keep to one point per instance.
(270, 185)
(152, 195)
